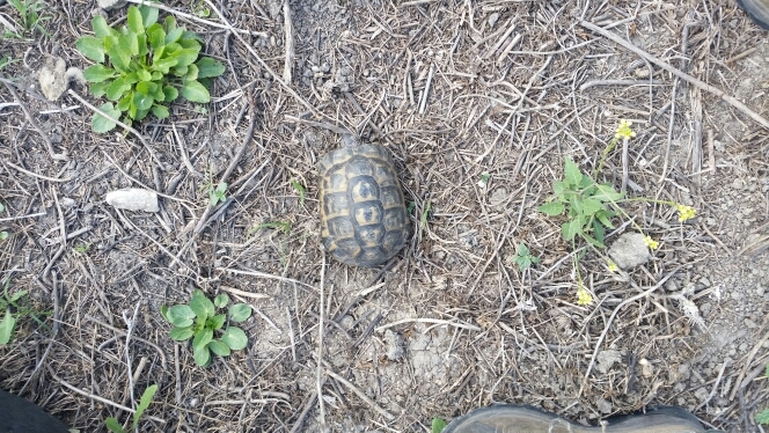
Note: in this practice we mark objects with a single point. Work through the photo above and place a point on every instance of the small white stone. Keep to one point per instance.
(133, 199)
(630, 250)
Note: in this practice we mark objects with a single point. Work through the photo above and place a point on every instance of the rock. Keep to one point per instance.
(54, 77)
(629, 251)
(606, 359)
(133, 199)
(394, 345)
(109, 5)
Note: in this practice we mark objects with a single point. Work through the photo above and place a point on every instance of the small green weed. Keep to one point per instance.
(146, 398)
(284, 226)
(3, 233)
(143, 66)
(300, 189)
(763, 416)
(5, 61)
(586, 204)
(199, 321)
(81, 248)
(16, 305)
(29, 12)
(438, 425)
(217, 195)
(590, 207)
(523, 258)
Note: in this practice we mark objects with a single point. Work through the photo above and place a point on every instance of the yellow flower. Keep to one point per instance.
(685, 213)
(624, 131)
(612, 266)
(583, 296)
(651, 243)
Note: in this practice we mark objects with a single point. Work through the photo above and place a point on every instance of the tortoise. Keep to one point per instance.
(362, 210)
(758, 11)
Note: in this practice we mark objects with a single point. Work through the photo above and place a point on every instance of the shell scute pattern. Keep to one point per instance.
(363, 213)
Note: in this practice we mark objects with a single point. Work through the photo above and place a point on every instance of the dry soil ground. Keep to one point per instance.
(459, 92)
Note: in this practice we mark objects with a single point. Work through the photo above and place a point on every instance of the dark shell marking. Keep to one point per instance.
(362, 211)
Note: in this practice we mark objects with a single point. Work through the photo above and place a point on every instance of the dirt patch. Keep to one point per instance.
(478, 105)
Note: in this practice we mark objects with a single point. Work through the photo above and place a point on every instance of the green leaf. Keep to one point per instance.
(181, 71)
(239, 312)
(181, 315)
(101, 124)
(219, 348)
(16, 296)
(144, 402)
(193, 91)
(189, 43)
(129, 44)
(100, 27)
(149, 15)
(571, 228)
(438, 425)
(164, 64)
(221, 300)
(173, 34)
(135, 20)
(160, 111)
(157, 36)
(143, 102)
(113, 425)
(6, 327)
(120, 56)
(591, 206)
(117, 89)
(595, 242)
(182, 334)
(91, 47)
(217, 321)
(553, 208)
(202, 339)
(606, 193)
(235, 338)
(201, 305)
(144, 75)
(171, 93)
(191, 74)
(202, 356)
(571, 175)
(763, 417)
(98, 73)
(208, 67)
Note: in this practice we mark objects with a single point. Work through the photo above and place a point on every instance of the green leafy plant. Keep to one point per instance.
(144, 402)
(29, 12)
(199, 320)
(438, 425)
(586, 204)
(763, 416)
(217, 195)
(5, 61)
(144, 65)
(590, 207)
(14, 306)
(300, 189)
(523, 258)
(3, 233)
(284, 226)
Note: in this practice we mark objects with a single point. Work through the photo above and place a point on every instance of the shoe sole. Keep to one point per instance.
(524, 419)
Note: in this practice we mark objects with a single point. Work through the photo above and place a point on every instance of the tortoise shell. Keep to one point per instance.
(362, 211)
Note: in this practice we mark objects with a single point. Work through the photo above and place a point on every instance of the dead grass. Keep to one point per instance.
(454, 91)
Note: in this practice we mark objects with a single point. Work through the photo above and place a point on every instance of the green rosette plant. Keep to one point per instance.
(144, 65)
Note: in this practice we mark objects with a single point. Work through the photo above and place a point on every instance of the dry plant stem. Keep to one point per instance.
(209, 209)
(130, 323)
(98, 398)
(319, 381)
(611, 319)
(118, 122)
(34, 123)
(288, 26)
(669, 140)
(264, 65)
(56, 326)
(197, 19)
(362, 395)
(734, 102)
(122, 333)
(746, 365)
(727, 362)
(32, 215)
(433, 321)
(39, 176)
(265, 275)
